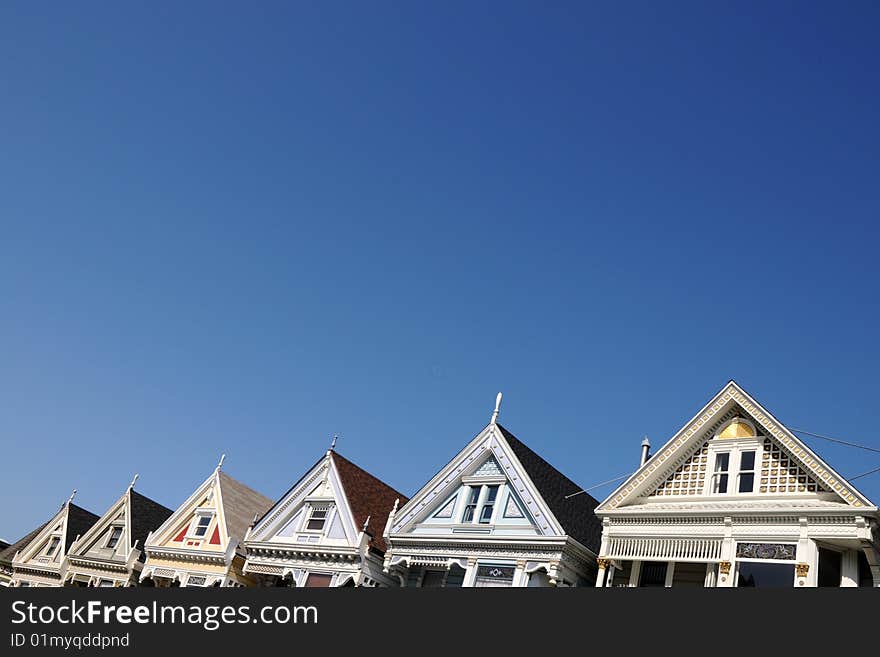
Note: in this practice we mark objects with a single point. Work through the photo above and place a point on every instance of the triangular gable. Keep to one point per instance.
(97, 536)
(135, 514)
(180, 531)
(65, 526)
(789, 459)
(285, 522)
(490, 454)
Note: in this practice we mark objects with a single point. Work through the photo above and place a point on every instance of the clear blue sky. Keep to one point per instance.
(242, 228)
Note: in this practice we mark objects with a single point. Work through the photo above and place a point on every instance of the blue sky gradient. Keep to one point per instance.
(242, 229)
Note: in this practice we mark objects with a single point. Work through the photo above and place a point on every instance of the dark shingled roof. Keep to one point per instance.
(575, 514)
(8, 553)
(146, 516)
(368, 497)
(3, 545)
(79, 521)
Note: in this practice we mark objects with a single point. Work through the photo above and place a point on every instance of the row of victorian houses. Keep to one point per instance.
(734, 498)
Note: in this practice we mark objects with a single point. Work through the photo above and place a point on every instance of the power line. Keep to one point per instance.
(809, 433)
(865, 474)
(837, 440)
(604, 483)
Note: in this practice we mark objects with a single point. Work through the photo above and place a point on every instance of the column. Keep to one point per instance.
(602, 562)
(849, 568)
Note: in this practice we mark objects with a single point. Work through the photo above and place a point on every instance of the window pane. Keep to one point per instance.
(722, 462)
(765, 574)
(468, 513)
(114, 537)
(486, 513)
(475, 495)
(318, 580)
(747, 461)
(202, 527)
(491, 493)
(746, 483)
(721, 483)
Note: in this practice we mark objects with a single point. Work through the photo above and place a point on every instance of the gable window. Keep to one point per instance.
(488, 504)
(480, 504)
(746, 472)
(53, 545)
(115, 535)
(471, 507)
(734, 470)
(202, 524)
(317, 518)
(722, 472)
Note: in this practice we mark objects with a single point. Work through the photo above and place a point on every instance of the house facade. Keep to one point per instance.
(735, 498)
(326, 531)
(42, 560)
(111, 552)
(200, 544)
(496, 515)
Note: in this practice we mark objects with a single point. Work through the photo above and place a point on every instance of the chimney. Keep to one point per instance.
(646, 451)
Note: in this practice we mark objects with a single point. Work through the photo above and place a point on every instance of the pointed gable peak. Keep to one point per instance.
(732, 415)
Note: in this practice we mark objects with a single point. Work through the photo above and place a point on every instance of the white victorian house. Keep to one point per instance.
(736, 499)
(496, 515)
(111, 552)
(326, 531)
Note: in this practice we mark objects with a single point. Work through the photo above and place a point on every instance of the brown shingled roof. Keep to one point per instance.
(368, 497)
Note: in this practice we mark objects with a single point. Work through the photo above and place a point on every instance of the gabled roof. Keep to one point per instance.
(574, 513)
(79, 521)
(3, 545)
(240, 504)
(146, 515)
(8, 553)
(236, 504)
(731, 399)
(564, 510)
(367, 496)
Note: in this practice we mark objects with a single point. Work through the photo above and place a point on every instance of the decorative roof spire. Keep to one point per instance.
(333, 442)
(70, 499)
(497, 409)
(131, 485)
(220, 464)
(367, 523)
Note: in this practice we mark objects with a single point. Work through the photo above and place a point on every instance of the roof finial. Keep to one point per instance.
(131, 485)
(497, 409)
(220, 464)
(333, 442)
(72, 495)
(367, 523)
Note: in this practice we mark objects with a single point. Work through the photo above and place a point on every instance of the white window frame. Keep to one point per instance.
(327, 508)
(735, 448)
(194, 525)
(480, 503)
(46, 552)
(113, 528)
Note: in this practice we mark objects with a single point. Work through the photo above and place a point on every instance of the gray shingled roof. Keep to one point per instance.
(146, 516)
(575, 514)
(79, 521)
(8, 553)
(240, 505)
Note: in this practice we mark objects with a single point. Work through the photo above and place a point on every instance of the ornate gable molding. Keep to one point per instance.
(681, 447)
(488, 443)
